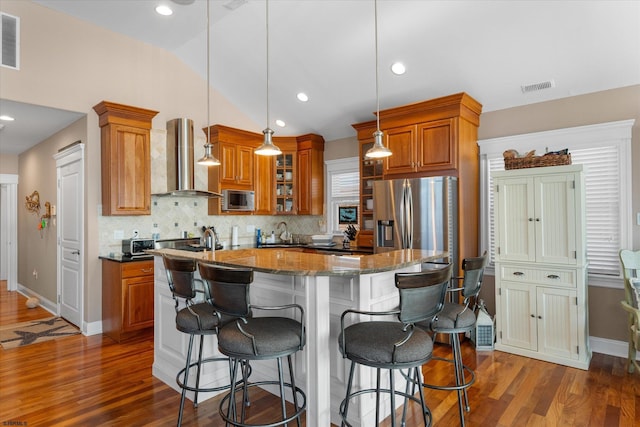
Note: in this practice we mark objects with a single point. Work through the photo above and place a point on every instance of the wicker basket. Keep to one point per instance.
(537, 161)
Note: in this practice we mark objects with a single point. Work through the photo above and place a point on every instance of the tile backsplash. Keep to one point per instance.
(170, 216)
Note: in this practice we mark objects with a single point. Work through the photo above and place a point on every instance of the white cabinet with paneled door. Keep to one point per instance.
(540, 254)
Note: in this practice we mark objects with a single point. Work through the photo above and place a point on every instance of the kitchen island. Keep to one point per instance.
(325, 285)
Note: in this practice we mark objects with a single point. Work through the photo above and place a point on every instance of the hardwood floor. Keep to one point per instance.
(91, 381)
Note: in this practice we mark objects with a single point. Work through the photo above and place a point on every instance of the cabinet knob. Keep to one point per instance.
(530, 219)
(539, 317)
(537, 219)
(533, 315)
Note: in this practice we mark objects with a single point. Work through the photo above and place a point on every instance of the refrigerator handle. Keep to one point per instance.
(409, 218)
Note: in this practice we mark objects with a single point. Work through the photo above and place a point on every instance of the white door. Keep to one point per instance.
(70, 174)
(9, 230)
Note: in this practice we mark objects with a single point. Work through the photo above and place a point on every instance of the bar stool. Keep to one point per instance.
(253, 338)
(394, 345)
(455, 319)
(193, 317)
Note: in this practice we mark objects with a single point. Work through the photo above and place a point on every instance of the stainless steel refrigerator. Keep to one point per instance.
(420, 213)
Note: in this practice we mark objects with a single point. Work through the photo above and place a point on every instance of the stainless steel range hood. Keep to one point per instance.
(180, 165)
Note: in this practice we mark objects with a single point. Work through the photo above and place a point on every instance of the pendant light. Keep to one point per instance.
(268, 148)
(378, 150)
(208, 159)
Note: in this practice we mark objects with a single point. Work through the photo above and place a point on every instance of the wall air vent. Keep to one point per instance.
(10, 30)
(538, 86)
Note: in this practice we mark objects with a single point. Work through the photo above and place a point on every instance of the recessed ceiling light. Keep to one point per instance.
(164, 10)
(398, 68)
(302, 97)
(7, 118)
(281, 123)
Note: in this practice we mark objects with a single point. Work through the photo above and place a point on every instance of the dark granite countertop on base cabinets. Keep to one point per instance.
(123, 258)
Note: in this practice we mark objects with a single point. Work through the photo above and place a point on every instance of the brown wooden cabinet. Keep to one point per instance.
(264, 191)
(429, 138)
(279, 182)
(285, 182)
(125, 158)
(236, 168)
(426, 147)
(370, 171)
(310, 175)
(127, 297)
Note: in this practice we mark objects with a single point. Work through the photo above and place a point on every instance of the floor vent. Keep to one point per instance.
(10, 28)
(538, 86)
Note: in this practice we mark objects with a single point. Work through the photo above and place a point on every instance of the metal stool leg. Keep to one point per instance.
(195, 396)
(293, 387)
(346, 402)
(186, 379)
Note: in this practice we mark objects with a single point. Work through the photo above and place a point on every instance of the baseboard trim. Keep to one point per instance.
(48, 305)
(610, 347)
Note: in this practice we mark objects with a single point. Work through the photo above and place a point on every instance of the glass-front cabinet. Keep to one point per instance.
(370, 171)
(285, 183)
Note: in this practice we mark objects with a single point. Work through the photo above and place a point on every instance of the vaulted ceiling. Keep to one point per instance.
(326, 49)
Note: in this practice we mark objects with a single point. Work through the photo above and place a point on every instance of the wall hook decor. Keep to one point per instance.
(33, 203)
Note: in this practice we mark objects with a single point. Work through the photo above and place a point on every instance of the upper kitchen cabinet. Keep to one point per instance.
(125, 158)
(310, 176)
(234, 148)
(236, 168)
(370, 171)
(429, 138)
(421, 148)
(291, 183)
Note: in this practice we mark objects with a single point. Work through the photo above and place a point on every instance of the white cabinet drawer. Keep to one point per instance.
(544, 276)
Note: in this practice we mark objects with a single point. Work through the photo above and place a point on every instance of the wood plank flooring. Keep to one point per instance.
(93, 381)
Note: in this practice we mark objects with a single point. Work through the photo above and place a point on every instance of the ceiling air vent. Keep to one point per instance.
(10, 26)
(538, 86)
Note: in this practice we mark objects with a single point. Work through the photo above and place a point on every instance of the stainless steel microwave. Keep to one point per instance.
(238, 200)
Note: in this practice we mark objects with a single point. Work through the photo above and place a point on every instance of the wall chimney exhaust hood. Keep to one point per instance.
(180, 164)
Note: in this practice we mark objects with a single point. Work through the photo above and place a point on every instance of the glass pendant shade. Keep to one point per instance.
(268, 148)
(378, 150)
(208, 159)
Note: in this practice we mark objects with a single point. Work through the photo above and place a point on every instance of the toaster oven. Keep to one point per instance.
(136, 247)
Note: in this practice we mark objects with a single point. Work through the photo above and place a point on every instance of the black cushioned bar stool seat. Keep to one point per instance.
(195, 315)
(395, 345)
(254, 338)
(455, 319)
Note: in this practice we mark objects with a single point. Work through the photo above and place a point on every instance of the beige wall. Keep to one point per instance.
(37, 249)
(606, 318)
(8, 164)
(341, 148)
(68, 64)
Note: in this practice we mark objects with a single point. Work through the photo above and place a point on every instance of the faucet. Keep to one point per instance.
(209, 239)
(285, 236)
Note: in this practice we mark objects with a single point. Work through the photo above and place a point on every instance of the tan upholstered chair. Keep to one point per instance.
(631, 268)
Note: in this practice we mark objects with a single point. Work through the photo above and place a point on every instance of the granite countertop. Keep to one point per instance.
(296, 263)
(122, 258)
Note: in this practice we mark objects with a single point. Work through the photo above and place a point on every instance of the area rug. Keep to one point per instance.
(35, 331)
